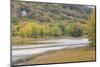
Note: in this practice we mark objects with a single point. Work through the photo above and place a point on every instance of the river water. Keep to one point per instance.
(22, 52)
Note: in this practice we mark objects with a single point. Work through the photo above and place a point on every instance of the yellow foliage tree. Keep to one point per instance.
(26, 29)
(91, 28)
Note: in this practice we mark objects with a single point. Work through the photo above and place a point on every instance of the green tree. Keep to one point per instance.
(15, 29)
(55, 30)
(73, 30)
(15, 20)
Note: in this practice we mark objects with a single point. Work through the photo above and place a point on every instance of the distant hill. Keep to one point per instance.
(46, 12)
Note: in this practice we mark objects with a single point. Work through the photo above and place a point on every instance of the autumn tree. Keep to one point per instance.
(55, 30)
(25, 30)
(72, 29)
(91, 29)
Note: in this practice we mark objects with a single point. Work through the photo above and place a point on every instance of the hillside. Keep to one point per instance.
(46, 12)
(45, 20)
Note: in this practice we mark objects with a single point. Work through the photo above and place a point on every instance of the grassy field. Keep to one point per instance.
(66, 55)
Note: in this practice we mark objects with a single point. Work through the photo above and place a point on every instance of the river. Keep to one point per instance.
(25, 51)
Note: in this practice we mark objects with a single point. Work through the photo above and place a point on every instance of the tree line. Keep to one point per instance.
(35, 29)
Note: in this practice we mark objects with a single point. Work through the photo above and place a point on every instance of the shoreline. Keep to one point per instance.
(56, 57)
(85, 53)
(29, 41)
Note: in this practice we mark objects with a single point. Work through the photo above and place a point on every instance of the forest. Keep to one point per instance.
(44, 20)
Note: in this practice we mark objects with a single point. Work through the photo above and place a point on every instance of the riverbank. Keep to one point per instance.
(28, 41)
(66, 55)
